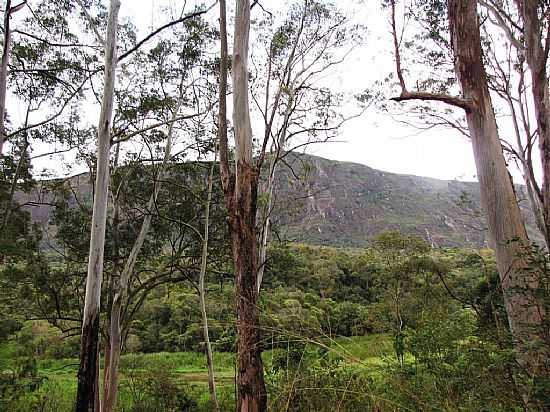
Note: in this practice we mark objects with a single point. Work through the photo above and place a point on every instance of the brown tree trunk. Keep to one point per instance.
(536, 60)
(250, 379)
(241, 190)
(87, 389)
(506, 229)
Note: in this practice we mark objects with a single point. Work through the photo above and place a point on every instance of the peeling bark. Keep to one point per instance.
(506, 228)
(507, 233)
(240, 191)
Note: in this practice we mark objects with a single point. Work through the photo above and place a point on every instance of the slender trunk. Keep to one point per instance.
(4, 73)
(506, 229)
(262, 255)
(536, 57)
(271, 183)
(122, 287)
(202, 292)
(534, 199)
(86, 389)
(115, 274)
(107, 361)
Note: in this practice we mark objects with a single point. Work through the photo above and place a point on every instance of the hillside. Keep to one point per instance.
(346, 204)
(329, 202)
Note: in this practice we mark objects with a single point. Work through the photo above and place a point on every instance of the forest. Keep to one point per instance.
(167, 244)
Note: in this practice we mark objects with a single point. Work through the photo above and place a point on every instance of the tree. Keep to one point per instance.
(536, 55)
(398, 253)
(506, 228)
(240, 192)
(314, 38)
(87, 398)
(202, 290)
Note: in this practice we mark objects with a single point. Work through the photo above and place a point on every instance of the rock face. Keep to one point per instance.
(347, 204)
(328, 202)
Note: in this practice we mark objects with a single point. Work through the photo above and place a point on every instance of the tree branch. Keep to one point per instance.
(467, 105)
(166, 26)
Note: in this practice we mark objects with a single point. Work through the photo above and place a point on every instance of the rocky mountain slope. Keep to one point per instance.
(346, 204)
(328, 202)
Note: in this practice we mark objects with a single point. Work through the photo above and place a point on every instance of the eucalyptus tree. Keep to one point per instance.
(289, 62)
(507, 231)
(534, 15)
(87, 394)
(184, 68)
(44, 82)
(88, 390)
(241, 196)
(295, 109)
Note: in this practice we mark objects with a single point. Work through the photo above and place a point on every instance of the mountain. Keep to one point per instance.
(347, 204)
(327, 202)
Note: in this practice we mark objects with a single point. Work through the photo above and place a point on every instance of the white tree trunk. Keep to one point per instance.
(270, 190)
(121, 288)
(202, 292)
(87, 384)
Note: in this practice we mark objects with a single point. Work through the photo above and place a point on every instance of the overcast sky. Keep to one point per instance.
(374, 139)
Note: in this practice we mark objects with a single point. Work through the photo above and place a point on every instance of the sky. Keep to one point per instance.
(374, 139)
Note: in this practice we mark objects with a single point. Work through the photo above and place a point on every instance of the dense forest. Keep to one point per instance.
(166, 245)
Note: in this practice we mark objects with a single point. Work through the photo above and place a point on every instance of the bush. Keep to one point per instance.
(157, 391)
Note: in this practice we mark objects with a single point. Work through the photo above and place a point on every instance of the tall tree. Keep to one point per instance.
(202, 290)
(314, 38)
(87, 395)
(536, 53)
(240, 192)
(506, 228)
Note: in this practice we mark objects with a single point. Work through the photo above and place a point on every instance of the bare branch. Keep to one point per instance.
(164, 27)
(467, 105)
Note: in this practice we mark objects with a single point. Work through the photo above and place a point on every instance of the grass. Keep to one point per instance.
(188, 370)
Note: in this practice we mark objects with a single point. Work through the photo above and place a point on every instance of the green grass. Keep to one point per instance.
(188, 370)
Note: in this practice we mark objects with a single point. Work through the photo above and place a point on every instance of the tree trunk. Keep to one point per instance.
(121, 288)
(202, 293)
(87, 389)
(250, 380)
(506, 229)
(251, 396)
(241, 192)
(536, 60)
(266, 226)
(272, 173)
(4, 73)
